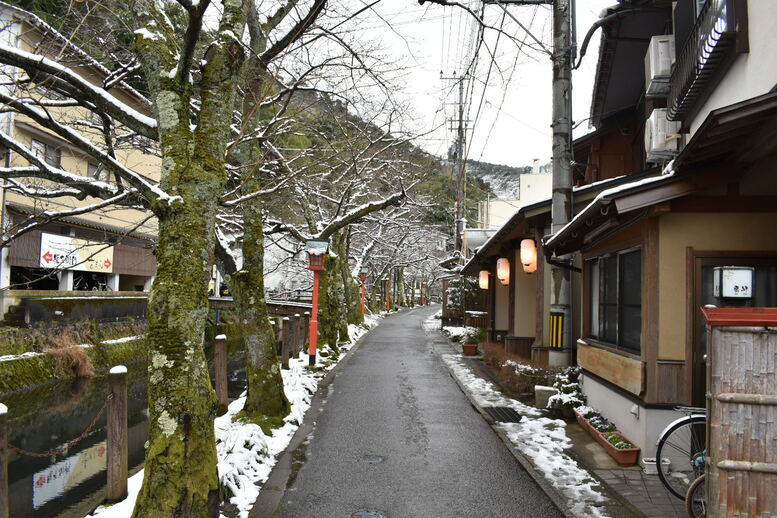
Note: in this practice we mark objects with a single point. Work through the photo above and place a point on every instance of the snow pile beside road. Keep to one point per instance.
(544, 441)
(246, 455)
(541, 439)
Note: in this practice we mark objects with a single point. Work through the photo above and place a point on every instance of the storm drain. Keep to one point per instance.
(503, 414)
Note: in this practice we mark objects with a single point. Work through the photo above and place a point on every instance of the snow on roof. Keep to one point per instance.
(607, 194)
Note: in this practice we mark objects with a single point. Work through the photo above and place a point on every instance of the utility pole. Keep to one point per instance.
(460, 165)
(561, 203)
(560, 341)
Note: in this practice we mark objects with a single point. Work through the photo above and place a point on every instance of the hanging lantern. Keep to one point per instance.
(483, 279)
(503, 270)
(528, 255)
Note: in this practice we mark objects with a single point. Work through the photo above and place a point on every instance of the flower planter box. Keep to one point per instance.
(469, 349)
(624, 457)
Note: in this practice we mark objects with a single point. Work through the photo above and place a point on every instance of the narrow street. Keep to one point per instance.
(397, 438)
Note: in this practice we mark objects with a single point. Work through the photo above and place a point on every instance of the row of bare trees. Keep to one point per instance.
(267, 122)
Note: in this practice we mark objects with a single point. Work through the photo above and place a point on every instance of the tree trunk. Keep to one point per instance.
(351, 289)
(400, 287)
(181, 479)
(266, 402)
(332, 321)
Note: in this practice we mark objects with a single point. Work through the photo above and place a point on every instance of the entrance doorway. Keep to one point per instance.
(764, 295)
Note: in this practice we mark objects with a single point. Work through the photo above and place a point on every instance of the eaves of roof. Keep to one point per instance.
(601, 206)
(102, 227)
(539, 208)
(738, 133)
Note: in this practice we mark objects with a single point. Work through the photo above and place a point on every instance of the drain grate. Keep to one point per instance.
(503, 414)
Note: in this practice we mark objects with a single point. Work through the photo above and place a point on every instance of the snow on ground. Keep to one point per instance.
(541, 439)
(246, 455)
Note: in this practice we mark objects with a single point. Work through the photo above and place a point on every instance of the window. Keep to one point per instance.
(48, 153)
(97, 171)
(616, 299)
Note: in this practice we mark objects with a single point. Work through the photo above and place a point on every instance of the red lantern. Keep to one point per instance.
(317, 254)
(317, 251)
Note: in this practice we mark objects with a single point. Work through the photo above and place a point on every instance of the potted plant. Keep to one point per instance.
(471, 339)
(569, 394)
(620, 449)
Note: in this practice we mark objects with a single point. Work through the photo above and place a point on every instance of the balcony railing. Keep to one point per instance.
(704, 54)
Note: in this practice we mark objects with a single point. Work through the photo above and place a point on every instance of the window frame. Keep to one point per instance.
(97, 172)
(46, 151)
(597, 302)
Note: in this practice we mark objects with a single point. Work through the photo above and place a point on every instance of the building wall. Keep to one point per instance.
(133, 265)
(640, 425)
(495, 212)
(702, 231)
(534, 187)
(753, 73)
(502, 305)
(525, 286)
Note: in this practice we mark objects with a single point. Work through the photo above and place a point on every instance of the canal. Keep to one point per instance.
(72, 483)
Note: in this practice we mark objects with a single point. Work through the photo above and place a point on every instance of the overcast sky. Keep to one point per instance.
(512, 118)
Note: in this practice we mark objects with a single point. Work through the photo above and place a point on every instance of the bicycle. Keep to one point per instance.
(696, 498)
(683, 442)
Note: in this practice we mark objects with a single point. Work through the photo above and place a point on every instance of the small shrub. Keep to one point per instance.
(461, 291)
(75, 358)
(569, 394)
(460, 334)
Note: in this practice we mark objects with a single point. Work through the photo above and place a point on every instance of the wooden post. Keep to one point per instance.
(285, 324)
(305, 328)
(117, 435)
(5, 506)
(285, 345)
(220, 367)
(299, 334)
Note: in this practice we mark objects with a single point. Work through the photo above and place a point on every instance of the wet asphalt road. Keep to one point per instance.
(397, 438)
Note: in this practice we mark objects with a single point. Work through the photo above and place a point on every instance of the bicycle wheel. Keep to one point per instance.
(683, 444)
(696, 498)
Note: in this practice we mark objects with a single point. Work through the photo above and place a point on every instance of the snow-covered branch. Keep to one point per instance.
(43, 70)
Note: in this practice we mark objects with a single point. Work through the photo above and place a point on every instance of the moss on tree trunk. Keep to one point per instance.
(180, 478)
(266, 402)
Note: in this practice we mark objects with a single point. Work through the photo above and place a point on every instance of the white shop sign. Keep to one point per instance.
(68, 253)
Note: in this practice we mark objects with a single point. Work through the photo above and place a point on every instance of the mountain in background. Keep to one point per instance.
(503, 180)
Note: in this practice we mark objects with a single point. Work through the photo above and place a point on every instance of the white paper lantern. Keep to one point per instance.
(503, 270)
(528, 255)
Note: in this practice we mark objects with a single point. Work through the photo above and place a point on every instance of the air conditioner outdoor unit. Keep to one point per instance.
(662, 137)
(658, 65)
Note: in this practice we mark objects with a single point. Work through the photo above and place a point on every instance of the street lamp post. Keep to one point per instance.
(317, 251)
(363, 277)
